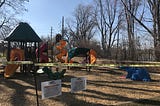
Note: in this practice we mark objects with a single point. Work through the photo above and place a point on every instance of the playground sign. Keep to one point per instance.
(51, 89)
(78, 84)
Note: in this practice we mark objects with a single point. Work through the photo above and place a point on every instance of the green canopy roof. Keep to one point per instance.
(23, 33)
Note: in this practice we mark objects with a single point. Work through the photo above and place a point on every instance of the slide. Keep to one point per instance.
(15, 55)
(10, 69)
(61, 48)
(43, 57)
(92, 55)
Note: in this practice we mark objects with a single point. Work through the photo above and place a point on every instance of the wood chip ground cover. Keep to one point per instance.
(105, 87)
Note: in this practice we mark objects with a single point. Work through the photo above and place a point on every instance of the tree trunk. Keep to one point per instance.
(104, 47)
(157, 49)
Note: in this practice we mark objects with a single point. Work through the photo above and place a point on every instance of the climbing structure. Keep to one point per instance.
(90, 54)
(62, 51)
(61, 47)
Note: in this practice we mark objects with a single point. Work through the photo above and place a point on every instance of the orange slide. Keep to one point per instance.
(15, 55)
(61, 48)
(92, 55)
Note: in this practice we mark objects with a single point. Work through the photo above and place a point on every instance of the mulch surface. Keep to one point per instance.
(105, 87)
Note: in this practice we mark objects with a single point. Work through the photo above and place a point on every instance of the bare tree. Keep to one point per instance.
(108, 21)
(9, 9)
(82, 28)
(154, 7)
(132, 6)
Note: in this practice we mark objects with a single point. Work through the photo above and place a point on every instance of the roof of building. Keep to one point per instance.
(23, 33)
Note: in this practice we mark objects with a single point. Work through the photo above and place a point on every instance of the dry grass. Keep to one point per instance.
(105, 87)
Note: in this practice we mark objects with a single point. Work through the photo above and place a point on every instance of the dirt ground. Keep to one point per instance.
(105, 87)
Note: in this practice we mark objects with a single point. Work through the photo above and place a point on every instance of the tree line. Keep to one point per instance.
(126, 29)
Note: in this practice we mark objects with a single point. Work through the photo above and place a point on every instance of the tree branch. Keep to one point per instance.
(2, 2)
(137, 18)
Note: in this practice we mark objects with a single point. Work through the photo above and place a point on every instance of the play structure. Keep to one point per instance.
(65, 55)
(26, 39)
(137, 74)
(90, 55)
(29, 45)
(15, 55)
(68, 54)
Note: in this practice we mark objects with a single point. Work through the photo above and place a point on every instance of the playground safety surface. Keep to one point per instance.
(105, 87)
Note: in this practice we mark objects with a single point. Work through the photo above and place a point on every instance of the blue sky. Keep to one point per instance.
(42, 14)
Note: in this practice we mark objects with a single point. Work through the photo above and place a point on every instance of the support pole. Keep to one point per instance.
(51, 45)
(62, 26)
(35, 82)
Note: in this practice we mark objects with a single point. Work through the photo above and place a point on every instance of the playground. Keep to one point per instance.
(107, 82)
(105, 86)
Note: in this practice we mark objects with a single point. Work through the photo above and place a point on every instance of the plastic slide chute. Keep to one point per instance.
(92, 55)
(61, 47)
(89, 53)
(15, 55)
(43, 57)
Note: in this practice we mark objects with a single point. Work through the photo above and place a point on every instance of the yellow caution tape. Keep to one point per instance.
(19, 62)
(46, 64)
(131, 62)
(118, 64)
(96, 65)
